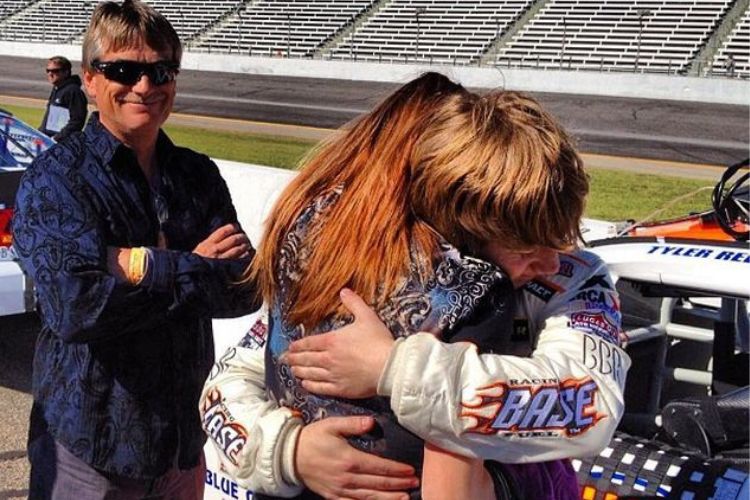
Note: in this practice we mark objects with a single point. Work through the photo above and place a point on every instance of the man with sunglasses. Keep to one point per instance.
(66, 106)
(133, 245)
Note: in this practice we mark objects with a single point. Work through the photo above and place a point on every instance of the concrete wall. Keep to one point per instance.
(641, 85)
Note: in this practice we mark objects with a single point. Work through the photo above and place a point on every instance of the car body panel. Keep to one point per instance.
(706, 267)
(13, 289)
(20, 143)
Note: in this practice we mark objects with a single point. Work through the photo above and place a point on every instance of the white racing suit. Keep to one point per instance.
(558, 393)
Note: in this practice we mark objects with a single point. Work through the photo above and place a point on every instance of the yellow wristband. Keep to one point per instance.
(137, 265)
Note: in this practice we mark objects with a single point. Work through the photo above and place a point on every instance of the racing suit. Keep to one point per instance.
(557, 394)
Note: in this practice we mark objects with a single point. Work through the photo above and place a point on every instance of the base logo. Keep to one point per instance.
(527, 408)
(221, 428)
(8, 253)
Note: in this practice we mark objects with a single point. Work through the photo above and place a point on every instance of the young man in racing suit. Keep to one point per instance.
(555, 393)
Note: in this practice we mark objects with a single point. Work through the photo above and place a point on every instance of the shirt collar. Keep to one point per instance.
(103, 145)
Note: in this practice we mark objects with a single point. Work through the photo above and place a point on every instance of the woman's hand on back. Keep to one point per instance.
(328, 465)
(346, 362)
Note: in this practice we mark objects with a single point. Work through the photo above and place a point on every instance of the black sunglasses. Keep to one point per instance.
(129, 72)
(53, 71)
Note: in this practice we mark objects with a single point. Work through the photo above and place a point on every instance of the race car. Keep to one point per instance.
(19, 145)
(728, 221)
(684, 286)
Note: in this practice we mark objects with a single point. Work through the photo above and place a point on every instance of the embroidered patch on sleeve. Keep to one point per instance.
(534, 408)
(596, 323)
(220, 426)
(255, 338)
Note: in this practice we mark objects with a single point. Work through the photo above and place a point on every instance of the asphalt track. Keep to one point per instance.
(673, 131)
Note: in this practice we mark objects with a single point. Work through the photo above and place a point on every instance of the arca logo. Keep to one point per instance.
(550, 408)
(598, 297)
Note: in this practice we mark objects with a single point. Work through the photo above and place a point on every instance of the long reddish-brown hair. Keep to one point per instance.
(433, 158)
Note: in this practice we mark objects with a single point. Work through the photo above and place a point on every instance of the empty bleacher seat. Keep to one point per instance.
(663, 34)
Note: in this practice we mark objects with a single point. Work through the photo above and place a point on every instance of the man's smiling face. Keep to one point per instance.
(130, 111)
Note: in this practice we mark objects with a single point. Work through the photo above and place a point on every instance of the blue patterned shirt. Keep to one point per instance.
(118, 369)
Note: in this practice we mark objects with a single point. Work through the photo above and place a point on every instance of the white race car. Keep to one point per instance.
(684, 286)
(19, 145)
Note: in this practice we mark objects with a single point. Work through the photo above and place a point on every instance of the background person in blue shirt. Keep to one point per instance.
(133, 245)
(67, 105)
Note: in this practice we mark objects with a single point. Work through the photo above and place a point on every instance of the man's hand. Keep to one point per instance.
(117, 263)
(332, 468)
(227, 242)
(347, 362)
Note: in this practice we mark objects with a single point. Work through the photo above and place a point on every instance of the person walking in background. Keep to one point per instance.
(729, 65)
(66, 106)
(133, 245)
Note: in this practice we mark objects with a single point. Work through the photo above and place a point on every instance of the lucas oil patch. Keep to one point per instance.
(596, 323)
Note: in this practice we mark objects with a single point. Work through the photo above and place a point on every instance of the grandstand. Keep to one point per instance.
(10, 7)
(656, 36)
(50, 21)
(653, 36)
(430, 31)
(192, 17)
(291, 28)
(738, 46)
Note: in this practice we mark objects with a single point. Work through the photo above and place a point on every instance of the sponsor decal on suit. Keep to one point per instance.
(533, 408)
(604, 357)
(220, 426)
(566, 269)
(596, 323)
(543, 289)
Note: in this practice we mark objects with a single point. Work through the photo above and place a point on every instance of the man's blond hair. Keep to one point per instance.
(131, 24)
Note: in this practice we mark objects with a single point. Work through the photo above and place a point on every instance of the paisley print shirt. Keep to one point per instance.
(118, 369)
(464, 299)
